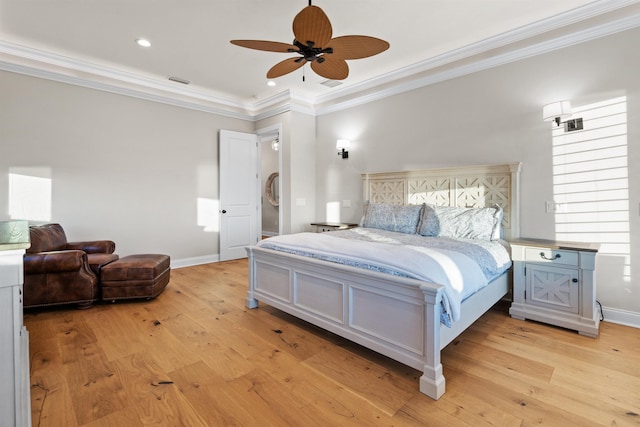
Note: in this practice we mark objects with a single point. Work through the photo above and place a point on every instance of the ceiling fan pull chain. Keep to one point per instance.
(303, 73)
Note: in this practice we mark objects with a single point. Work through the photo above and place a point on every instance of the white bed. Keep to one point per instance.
(348, 301)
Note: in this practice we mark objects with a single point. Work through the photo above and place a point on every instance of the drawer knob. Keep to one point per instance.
(543, 256)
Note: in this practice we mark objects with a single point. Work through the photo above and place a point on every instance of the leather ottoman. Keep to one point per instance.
(135, 276)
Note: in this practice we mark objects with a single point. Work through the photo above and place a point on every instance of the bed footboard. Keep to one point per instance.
(348, 301)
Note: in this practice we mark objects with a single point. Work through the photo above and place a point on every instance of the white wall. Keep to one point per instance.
(123, 169)
(297, 169)
(302, 171)
(493, 116)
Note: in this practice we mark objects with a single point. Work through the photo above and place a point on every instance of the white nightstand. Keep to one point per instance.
(554, 282)
(321, 227)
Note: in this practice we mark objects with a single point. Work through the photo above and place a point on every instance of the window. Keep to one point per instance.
(30, 193)
(591, 184)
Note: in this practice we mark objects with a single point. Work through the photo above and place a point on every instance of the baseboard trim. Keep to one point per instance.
(622, 317)
(189, 262)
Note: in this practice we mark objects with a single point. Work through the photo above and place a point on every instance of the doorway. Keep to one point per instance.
(270, 155)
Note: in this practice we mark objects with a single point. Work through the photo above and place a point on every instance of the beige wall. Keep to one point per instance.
(123, 168)
(302, 171)
(133, 170)
(297, 169)
(493, 116)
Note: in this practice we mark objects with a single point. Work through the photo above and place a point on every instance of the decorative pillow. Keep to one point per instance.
(400, 218)
(458, 222)
(496, 234)
(429, 223)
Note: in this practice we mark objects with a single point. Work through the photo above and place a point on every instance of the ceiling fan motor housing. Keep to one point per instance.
(310, 52)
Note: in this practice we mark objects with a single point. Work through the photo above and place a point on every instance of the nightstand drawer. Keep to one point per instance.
(553, 256)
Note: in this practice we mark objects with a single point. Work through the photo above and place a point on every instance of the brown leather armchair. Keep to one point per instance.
(61, 272)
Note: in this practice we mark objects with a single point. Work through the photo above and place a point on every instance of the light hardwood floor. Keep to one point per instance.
(195, 356)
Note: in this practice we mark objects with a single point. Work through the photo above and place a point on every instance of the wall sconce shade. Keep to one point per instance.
(556, 111)
(343, 146)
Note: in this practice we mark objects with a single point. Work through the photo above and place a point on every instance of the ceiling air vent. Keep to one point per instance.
(331, 83)
(179, 80)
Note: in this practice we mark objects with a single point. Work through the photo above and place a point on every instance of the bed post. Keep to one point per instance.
(250, 301)
(432, 382)
(515, 169)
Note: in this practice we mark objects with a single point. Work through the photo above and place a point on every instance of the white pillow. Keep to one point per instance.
(463, 223)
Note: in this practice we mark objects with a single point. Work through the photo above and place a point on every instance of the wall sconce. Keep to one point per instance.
(556, 111)
(343, 146)
(275, 144)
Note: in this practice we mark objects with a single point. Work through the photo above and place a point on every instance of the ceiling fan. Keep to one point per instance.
(313, 41)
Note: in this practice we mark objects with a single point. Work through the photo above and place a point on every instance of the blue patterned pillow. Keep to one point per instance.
(399, 218)
(429, 223)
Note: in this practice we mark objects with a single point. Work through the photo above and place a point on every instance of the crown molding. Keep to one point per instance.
(37, 63)
(619, 25)
(50, 61)
(25, 60)
(142, 93)
(282, 102)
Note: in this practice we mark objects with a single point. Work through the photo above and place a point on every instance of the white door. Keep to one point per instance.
(238, 193)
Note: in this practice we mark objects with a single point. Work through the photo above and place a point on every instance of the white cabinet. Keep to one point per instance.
(554, 282)
(15, 394)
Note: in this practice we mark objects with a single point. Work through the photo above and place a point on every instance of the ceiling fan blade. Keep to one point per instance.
(312, 24)
(266, 45)
(331, 68)
(285, 67)
(356, 47)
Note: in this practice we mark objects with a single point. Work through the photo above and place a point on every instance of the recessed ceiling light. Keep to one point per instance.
(271, 83)
(143, 42)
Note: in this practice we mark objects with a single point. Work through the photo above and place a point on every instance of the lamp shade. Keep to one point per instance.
(343, 144)
(560, 109)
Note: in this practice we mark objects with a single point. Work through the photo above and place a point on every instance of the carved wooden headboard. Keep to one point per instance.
(466, 186)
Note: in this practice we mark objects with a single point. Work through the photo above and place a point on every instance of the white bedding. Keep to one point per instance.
(448, 263)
